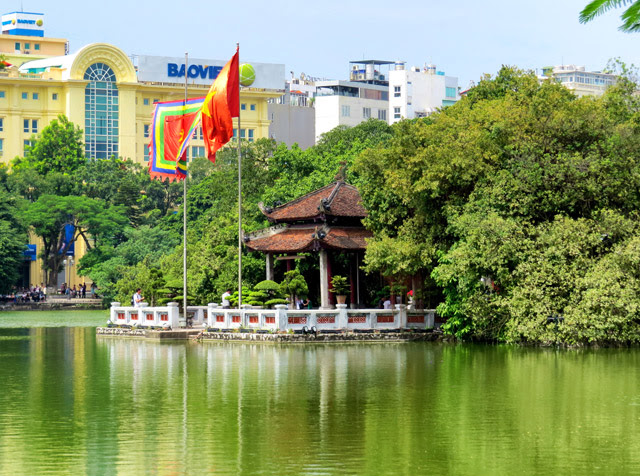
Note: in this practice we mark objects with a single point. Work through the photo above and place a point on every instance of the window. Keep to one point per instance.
(27, 46)
(146, 152)
(27, 146)
(366, 112)
(252, 107)
(1, 94)
(382, 114)
(30, 125)
(450, 92)
(155, 100)
(54, 96)
(25, 95)
(243, 107)
(146, 130)
(101, 112)
(1, 146)
(397, 91)
(17, 46)
(1, 124)
(197, 151)
(396, 113)
(35, 96)
(244, 133)
(37, 46)
(145, 101)
(346, 111)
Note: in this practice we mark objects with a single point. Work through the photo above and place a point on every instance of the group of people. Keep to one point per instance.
(30, 294)
(73, 292)
(303, 303)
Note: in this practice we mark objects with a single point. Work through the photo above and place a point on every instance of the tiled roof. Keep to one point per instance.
(336, 199)
(308, 238)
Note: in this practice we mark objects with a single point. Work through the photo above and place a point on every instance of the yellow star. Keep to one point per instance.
(205, 109)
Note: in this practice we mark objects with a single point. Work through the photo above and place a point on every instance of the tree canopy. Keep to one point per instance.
(516, 200)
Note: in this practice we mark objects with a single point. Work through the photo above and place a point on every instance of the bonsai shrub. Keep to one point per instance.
(266, 294)
(294, 285)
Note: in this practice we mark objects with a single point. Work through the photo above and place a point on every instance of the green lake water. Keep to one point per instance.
(73, 403)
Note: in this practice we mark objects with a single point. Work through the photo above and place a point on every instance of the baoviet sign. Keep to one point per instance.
(165, 69)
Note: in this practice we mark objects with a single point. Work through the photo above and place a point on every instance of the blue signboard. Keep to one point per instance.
(30, 254)
(68, 246)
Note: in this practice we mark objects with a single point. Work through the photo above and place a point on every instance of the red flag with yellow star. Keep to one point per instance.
(220, 106)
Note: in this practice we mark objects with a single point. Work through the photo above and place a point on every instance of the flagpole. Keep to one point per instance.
(184, 203)
(239, 196)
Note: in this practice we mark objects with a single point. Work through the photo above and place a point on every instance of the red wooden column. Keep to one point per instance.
(329, 276)
(353, 269)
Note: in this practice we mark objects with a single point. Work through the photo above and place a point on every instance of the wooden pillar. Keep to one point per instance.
(324, 280)
(270, 274)
(289, 264)
(329, 277)
(352, 282)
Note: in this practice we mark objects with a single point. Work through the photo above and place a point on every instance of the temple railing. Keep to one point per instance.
(280, 319)
(144, 316)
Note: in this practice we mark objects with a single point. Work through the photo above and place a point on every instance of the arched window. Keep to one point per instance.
(100, 112)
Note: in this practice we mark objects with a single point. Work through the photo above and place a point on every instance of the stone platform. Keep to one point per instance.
(391, 335)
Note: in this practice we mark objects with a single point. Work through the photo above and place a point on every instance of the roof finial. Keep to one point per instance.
(341, 176)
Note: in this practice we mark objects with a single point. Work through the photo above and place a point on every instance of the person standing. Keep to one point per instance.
(226, 304)
(137, 298)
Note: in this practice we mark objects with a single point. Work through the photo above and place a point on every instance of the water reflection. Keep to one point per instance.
(74, 404)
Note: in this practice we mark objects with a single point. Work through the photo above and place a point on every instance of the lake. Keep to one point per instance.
(74, 403)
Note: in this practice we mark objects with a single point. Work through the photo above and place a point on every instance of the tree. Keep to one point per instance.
(630, 17)
(59, 148)
(12, 242)
(517, 200)
(90, 219)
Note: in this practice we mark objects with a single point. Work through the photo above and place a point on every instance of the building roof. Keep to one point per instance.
(337, 199)
(301, 238)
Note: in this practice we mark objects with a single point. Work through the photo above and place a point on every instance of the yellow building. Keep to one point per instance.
(99, 89)
(111, 97)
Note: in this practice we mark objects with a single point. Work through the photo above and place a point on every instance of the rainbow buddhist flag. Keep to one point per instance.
(172, 127)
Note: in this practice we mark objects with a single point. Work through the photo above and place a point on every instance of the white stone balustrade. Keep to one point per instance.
(145, 316)
(198, 314)
(214, 316)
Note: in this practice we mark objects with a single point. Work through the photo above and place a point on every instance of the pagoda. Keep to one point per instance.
(325, 221)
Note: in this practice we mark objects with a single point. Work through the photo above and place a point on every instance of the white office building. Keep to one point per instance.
(419, 92)
(581, 82)
(348, 103)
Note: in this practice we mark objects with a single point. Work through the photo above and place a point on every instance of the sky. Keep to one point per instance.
(465, 38)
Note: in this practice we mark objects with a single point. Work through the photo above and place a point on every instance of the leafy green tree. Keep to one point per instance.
(513, 200)
(630, 17)
(13, 239)
(59, 148)
(92, 221)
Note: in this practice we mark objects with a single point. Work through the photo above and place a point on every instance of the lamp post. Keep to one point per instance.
(68, 262)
